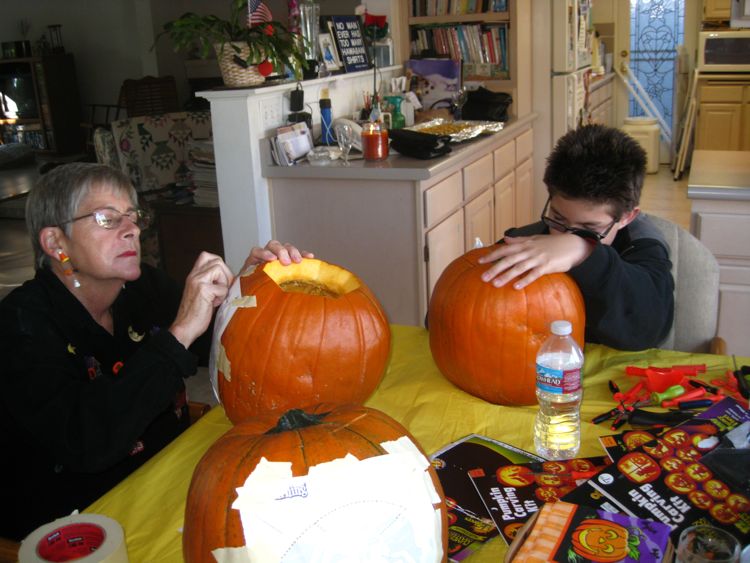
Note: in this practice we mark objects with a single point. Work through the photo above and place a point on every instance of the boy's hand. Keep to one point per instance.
(534, 256)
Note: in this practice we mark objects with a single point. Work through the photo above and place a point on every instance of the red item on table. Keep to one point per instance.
(374, 141)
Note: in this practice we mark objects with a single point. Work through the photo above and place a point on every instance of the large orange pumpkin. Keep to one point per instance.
(484, 339)
(298, 335)
(320, 434)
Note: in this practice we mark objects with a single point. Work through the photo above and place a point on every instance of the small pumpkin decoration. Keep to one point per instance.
(484, 339)
(601, 540)
(303, 439)
(297, 335)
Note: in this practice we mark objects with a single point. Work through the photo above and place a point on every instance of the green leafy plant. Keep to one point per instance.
(270, 41)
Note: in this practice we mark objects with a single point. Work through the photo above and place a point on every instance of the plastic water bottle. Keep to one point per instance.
(326, 118)
(559, 362)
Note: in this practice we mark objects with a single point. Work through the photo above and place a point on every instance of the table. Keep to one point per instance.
(150, 503)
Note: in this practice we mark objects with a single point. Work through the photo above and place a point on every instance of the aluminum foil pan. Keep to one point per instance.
(458, 131)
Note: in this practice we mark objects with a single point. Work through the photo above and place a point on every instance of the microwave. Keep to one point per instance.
(724, 51)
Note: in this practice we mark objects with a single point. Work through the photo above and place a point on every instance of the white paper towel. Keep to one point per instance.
(84, 538)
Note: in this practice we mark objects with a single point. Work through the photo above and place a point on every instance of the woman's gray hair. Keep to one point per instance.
(58, 194)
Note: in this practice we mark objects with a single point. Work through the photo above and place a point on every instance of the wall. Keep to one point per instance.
(112, 39)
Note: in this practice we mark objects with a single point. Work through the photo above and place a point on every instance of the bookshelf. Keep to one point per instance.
(508, 69)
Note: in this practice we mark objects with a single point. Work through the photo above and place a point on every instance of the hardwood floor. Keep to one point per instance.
(666, 198)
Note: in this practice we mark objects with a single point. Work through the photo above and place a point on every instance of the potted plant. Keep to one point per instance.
(246, 54)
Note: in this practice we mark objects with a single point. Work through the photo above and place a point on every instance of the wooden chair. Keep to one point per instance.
(9, 550)
(150, 95)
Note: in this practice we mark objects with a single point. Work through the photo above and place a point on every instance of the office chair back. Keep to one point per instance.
(696, 293)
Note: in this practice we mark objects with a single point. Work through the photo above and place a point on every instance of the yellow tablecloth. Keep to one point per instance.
(150, 503)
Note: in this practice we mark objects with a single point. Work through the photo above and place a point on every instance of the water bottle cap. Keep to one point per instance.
(561, 328)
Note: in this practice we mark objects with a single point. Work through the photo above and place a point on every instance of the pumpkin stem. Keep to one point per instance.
(295, 419)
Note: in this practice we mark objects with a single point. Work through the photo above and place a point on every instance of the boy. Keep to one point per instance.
(591, 228)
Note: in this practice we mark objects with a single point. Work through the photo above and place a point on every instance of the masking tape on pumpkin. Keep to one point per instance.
(223, 316)
(382, 507)
(85, 538)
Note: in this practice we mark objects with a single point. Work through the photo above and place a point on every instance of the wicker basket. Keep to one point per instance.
(234, 74)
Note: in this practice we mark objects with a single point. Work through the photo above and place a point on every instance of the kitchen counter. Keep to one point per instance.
(396, 166)
(398, 223)
(723, 175)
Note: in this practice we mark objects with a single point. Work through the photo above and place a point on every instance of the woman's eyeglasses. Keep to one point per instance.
(584, 233)
(109, 218)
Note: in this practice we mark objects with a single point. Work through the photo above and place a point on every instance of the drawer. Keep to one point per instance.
(722, 233)
(721, 93)
(442, 198)
(524, 146)
(505, 159)
(478, 175)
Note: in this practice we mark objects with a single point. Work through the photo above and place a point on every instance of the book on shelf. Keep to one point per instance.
(482, 47)
(513, 492)
(470, 524)
(695, 472)
(429, 8)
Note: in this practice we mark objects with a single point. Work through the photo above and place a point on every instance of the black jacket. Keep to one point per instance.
(627, 287)
(80, 408)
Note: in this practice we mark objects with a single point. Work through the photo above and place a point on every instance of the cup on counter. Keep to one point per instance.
(374, 141)
(704, 544)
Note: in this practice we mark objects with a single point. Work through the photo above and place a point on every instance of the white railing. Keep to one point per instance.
(642, 98)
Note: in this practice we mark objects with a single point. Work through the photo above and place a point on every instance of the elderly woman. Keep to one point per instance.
(95, 348)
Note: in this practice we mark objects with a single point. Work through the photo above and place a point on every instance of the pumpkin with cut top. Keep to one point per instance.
(292, 336)
(279, 453)
(484, 339)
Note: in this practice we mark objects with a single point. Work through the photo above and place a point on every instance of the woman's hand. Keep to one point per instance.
(205, 288)
(534, 256)
(274, 250)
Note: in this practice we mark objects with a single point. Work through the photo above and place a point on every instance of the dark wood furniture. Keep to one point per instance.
(184, 231)
(52, 116)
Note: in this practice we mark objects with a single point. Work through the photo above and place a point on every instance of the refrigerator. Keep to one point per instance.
(571, 64)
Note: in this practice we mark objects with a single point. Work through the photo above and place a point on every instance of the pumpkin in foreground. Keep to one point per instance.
(484, 339)
(297, 335)
(303, 440)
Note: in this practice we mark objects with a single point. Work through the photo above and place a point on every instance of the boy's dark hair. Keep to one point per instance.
(598, 164)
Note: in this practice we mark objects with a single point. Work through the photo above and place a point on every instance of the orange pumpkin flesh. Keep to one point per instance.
(210, 520)
(302, 334)
(484, 339)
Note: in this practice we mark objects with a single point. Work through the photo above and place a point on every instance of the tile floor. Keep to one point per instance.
(661, 196)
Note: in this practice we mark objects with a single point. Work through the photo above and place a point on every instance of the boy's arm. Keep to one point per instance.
(629, 297)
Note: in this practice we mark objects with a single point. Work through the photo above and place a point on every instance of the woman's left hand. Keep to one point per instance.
(285, 253)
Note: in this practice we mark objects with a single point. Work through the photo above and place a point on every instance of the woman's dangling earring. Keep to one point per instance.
(67, 267)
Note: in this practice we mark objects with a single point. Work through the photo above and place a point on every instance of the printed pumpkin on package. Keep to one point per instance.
(298, 335)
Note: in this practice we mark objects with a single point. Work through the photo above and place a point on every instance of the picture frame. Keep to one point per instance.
(328, 52)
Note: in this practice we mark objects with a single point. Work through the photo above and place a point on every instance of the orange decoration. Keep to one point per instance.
(600, 540)
(321, 434)
(484, 339)
(300, 335)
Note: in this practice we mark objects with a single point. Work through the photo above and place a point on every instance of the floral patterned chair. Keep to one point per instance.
(152, 150)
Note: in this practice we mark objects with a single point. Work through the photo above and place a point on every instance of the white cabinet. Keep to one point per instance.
(479, 220)
(445, 243)
(514, 183)
(719, 190)
(601, 97)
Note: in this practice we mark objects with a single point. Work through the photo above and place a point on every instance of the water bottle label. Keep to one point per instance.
(557, 380)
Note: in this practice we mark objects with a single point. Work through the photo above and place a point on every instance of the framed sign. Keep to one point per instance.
(347, 32)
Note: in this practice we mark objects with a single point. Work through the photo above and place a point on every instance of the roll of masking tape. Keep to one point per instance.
(83, 538)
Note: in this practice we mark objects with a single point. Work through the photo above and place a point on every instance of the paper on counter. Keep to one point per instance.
(377, 509)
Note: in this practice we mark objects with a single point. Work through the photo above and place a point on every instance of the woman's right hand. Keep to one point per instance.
(206, 286)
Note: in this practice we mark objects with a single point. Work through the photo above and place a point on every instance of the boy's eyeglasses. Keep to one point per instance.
(110, 218)
(584, 233)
